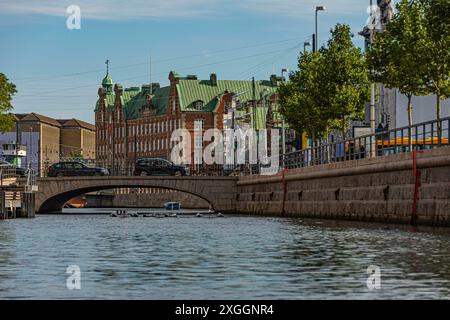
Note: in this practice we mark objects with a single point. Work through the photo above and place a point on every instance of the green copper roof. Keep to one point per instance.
(132, 107)
(191, 91)
(110, 98)
(161, 99)
(107, 81)
(109, 101)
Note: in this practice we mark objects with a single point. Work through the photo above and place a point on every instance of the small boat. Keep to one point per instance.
(160, 215)
(135, 215)
(120, 214)
(199, 215)
(220, 215)
(148, 215)
(172, 206)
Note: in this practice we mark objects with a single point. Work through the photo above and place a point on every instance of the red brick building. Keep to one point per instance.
(138, 122)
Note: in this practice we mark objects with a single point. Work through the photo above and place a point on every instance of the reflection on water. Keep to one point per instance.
(218, 258)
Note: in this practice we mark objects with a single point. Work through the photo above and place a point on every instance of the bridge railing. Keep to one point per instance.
(127, 168)
(422, 136)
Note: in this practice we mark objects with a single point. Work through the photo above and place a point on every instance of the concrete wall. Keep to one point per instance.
(70, 141)
(50, 142)
(146, 200)
(379, 189)
(88, 143)
(424, 109)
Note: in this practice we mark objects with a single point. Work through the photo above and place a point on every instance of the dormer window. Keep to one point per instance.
(198, 105)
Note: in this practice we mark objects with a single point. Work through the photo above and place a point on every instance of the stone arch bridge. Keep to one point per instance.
(53, 193)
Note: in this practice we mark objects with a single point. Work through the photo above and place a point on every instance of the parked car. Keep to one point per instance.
(70, 169)
(158, 167)
(21, 172)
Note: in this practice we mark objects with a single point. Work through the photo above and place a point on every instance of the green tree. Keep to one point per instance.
(437, 59)
(344, 81)
(397, 55)
(7, 90)
(300, 98)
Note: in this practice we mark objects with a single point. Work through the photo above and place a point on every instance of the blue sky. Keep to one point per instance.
(58, 71)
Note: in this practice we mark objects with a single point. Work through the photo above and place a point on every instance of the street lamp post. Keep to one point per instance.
(318, 8)
(372, 86)
(283, 125)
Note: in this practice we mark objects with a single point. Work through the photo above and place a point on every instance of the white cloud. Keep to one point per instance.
(110, 9)
(135, 9)
(298, 8)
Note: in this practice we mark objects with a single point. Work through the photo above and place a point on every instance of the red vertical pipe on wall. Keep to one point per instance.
(417, 175)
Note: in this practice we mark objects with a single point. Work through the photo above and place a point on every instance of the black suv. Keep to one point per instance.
(158, 167)
(67, 169)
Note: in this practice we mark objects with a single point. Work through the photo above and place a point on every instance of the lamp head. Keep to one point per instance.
(321, 8)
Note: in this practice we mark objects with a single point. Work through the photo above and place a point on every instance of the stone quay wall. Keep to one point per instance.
(380, 189)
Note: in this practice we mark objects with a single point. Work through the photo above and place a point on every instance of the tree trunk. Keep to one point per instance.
(313, 147)
(410, 111)
(346, 152)
(410, 122)
(343, 128)
(328, 146)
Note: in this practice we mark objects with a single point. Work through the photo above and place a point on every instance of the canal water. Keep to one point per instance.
(219, 258)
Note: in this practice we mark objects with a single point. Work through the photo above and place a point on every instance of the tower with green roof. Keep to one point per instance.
(107, 81)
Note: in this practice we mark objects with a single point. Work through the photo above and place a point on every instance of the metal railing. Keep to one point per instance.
(7, 172)
(422, 136)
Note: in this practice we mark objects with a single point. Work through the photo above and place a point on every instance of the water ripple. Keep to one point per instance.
(231, 258)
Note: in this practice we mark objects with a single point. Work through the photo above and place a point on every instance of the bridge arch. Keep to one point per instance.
(53, 193)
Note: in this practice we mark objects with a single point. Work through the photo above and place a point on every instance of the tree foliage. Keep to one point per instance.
(345, 80)
(396, 56)
(7, 90)
(413, 54)
(300, 98)
(437, 55)
(330, 88)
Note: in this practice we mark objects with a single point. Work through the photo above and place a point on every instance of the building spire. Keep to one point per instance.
(107, 82)
(107, 66)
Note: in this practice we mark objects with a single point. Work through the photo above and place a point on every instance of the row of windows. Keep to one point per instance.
(141, 129)
(141, 146)
(119, 148)
(158, 127)
(151, 145)
(103, 134)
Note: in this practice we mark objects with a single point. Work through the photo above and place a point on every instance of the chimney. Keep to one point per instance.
(155, 86)
(274, 80)
(213, 79)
